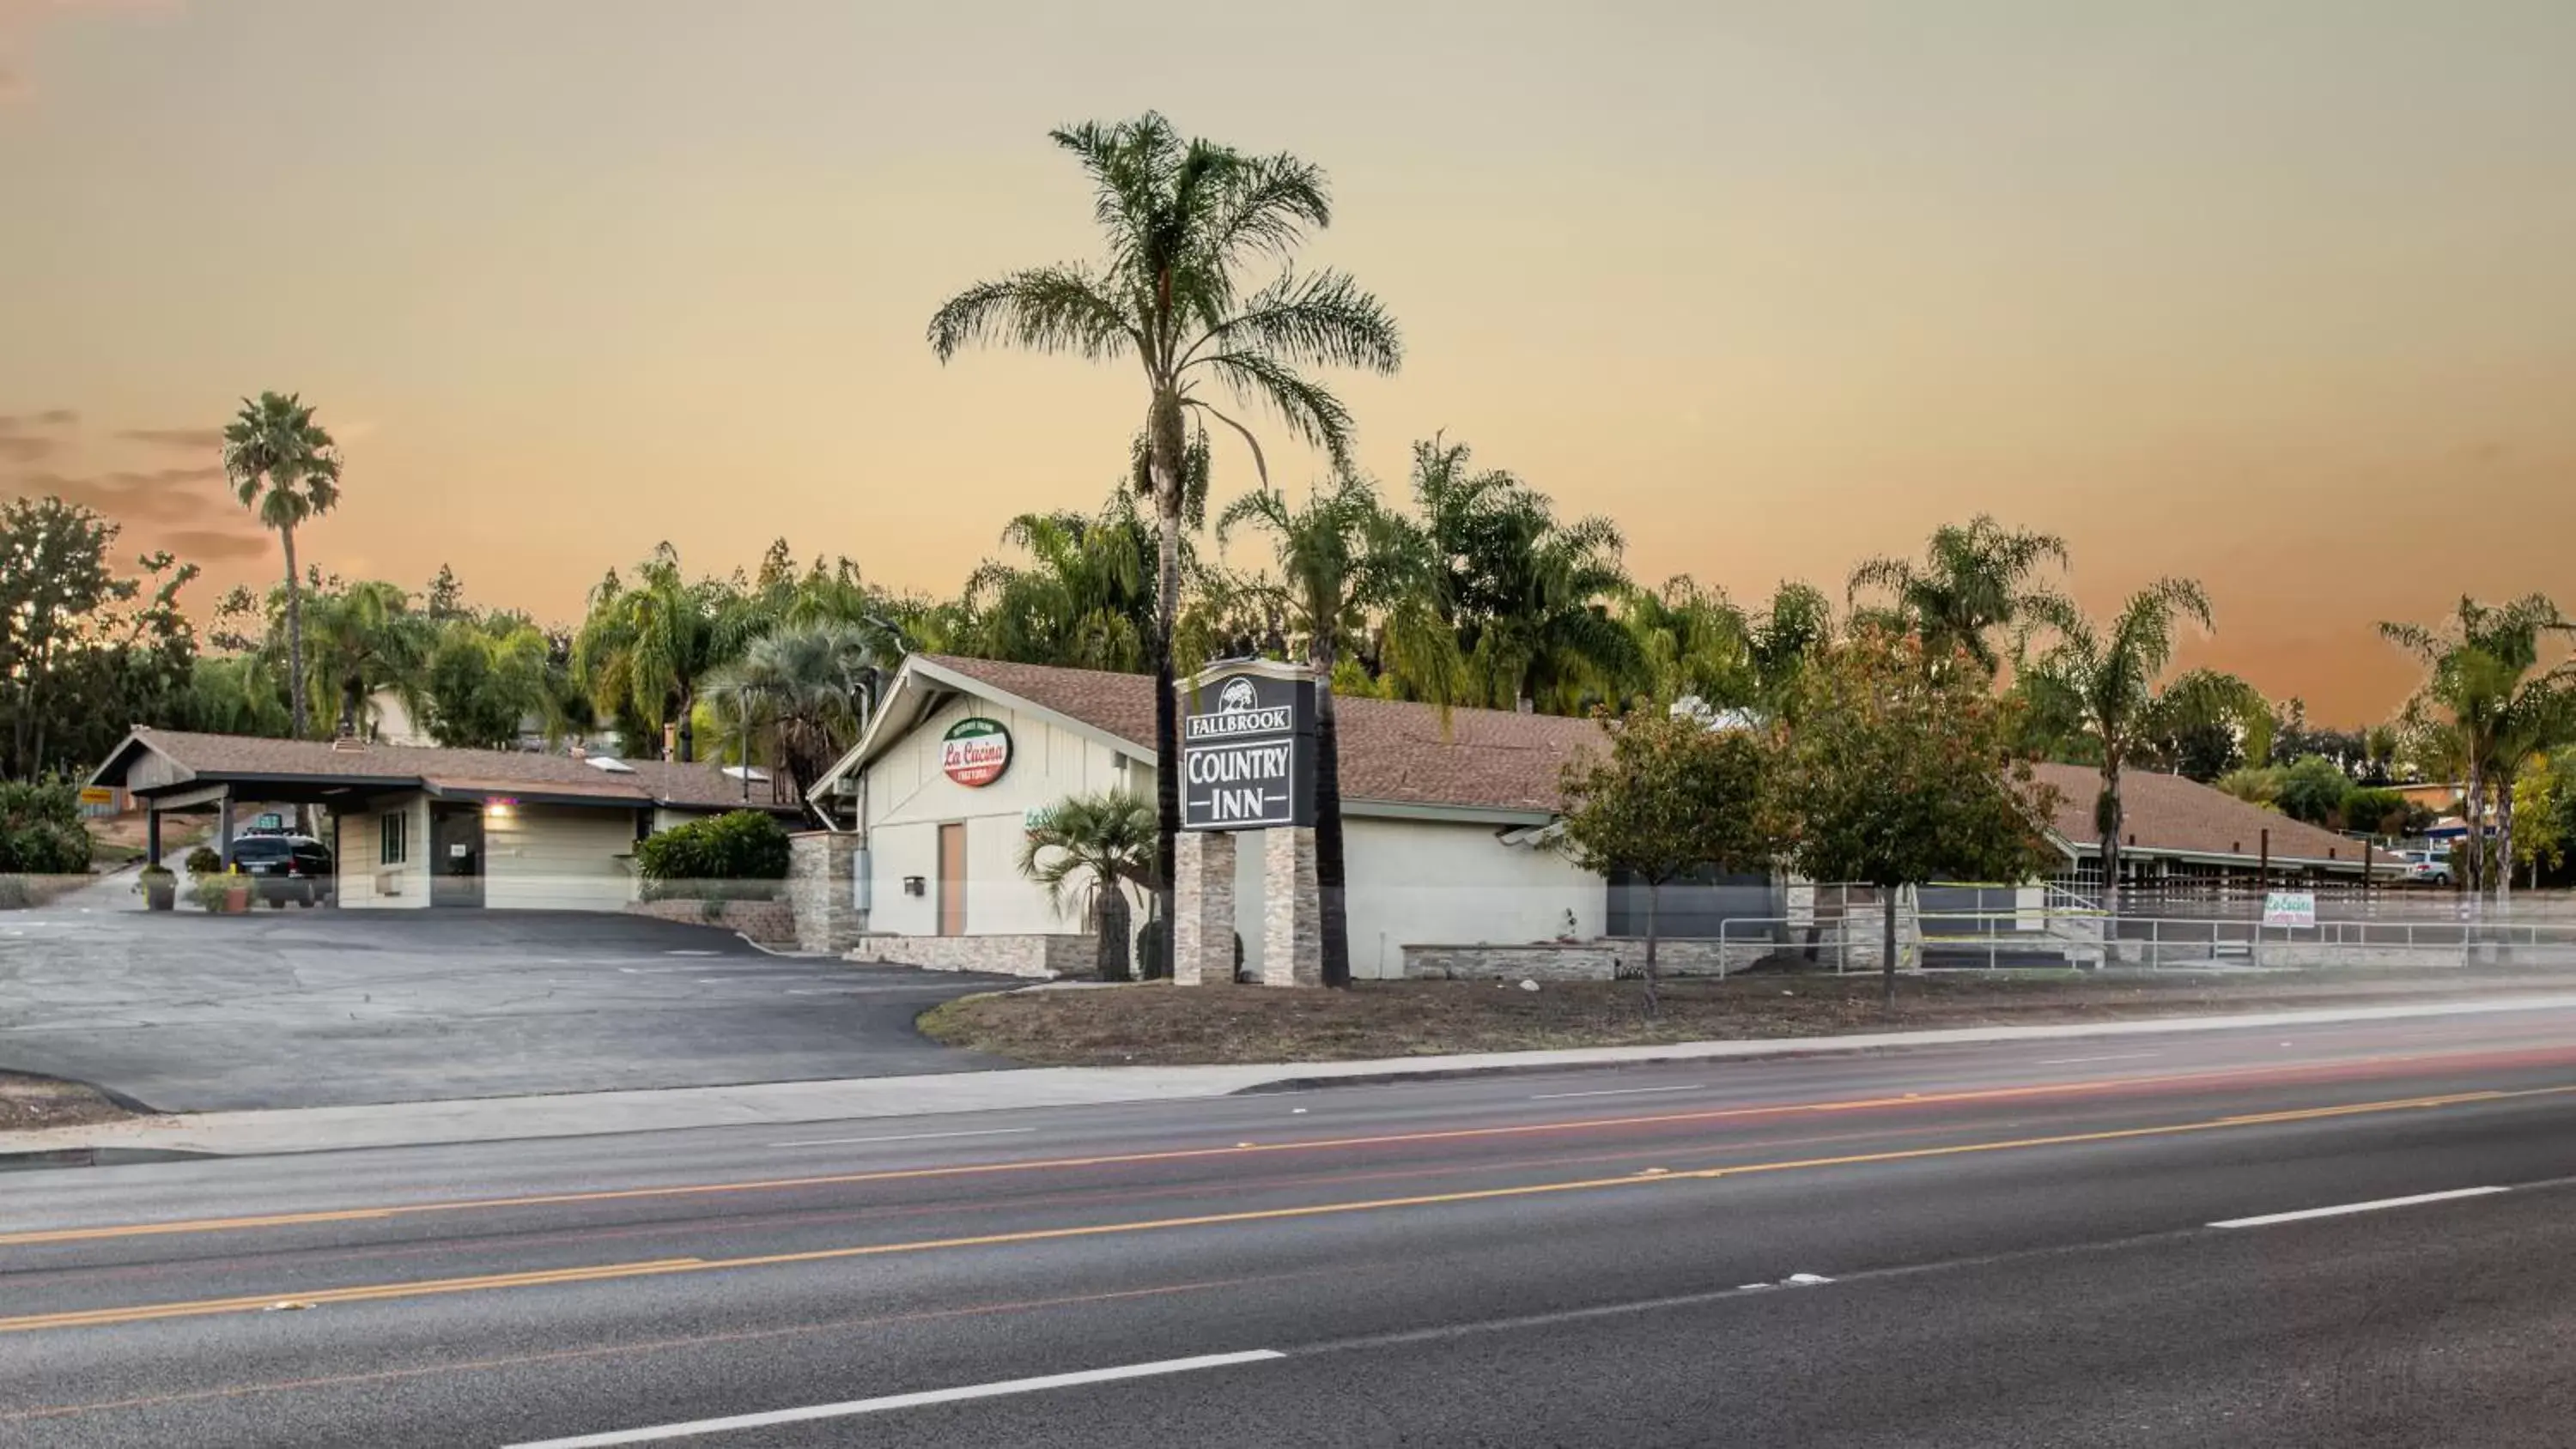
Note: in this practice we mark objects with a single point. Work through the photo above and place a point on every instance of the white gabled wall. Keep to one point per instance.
(909, 798)
(363, 878)
(557, 858)
(1421, 882)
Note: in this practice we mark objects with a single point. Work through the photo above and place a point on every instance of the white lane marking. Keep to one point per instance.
(1615, 1092)
(2110, 1057)
(690, 953)
(905, 1137)
(903, 1401)
(2358, 1207)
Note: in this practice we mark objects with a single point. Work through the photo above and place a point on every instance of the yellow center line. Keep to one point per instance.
(1184, 1154)
(199, 1308)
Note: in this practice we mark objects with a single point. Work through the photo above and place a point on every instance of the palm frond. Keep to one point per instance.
(1323, 318)
(1046, 309)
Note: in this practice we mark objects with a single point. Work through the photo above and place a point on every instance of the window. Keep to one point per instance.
(392, 842)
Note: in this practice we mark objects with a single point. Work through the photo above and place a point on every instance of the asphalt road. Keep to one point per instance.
(324, 1008)
(2017, 1246)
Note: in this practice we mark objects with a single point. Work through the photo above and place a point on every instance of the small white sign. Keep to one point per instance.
(2290, 908)
(457, 851)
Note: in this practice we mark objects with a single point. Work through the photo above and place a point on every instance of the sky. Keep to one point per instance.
(2279, 295)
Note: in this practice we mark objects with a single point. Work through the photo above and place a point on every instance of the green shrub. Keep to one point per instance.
(40, 829)
(205, 860)
(736, 855)
(2377, 812)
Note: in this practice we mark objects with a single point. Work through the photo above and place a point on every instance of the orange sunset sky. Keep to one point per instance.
(2278, 293)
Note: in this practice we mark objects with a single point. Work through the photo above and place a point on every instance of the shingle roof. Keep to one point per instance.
(659, 782)
(1393, 751)
(2170, 813)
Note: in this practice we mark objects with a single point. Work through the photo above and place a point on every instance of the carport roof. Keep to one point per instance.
(171, 760)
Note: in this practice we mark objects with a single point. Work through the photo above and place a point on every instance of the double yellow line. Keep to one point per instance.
(209, 1307)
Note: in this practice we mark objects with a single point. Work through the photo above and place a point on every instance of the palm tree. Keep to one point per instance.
(808, 683)
(643, 650)
(1184, 222)
(2485, 690)
(1343, 561)
(284, 465)
(1973, 580)
(1796, 626)
(1691, 642)
(365, 639)
(2105, 683)
(1085, 599)
(1086, 850)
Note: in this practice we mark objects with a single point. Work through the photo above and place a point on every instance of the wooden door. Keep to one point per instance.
(952, 880)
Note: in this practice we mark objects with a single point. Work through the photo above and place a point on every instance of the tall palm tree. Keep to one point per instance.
(1974, 579)
(1185, 222)
(2106, 683)
(1343, 561)
(808, 683)
(1086, 850)
(2485, 689)
(284, 466)
(1788, 632)
(1085, 599)
(1692, 642)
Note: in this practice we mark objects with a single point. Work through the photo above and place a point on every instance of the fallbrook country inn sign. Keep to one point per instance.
(1248, 747)
(975, 752)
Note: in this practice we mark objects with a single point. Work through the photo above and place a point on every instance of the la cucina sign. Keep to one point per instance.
(975, 752)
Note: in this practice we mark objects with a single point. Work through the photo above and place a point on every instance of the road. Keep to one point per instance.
(2045, 1243)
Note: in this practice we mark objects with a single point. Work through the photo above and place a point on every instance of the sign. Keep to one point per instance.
(97, 795)
(2290, 908)
(1248, 748)
(975, 752)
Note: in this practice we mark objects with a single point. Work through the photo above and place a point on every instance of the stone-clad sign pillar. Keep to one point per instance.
(1247, 764)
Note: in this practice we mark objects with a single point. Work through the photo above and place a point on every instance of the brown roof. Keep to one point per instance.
(659, 782)
(2170, 813)
(1392, 751)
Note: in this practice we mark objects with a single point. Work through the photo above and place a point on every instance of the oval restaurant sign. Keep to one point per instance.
(975, 752)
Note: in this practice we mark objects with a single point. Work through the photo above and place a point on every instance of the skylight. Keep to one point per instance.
(612, 766)
(757, 775)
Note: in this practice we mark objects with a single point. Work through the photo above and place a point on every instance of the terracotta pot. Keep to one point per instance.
(236, 899)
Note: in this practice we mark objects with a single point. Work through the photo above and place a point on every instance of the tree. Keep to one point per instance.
(644, 649)
(2314, 790)
(1086, 850)
(1184, 221)
(1670, 795)
(365, 639)
(806, 683)
(54, 581)
(445, 599)
(1084, 600)
(1691, 643)
(482, 680)
(1343, 560)
(2487, 701)
(284, 466)
(1794, 629)
(1974, 579)
(2105, 683)
(1901, 773)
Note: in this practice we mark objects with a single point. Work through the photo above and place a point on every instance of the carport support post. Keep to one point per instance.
(151, 833)
(224, 827)
(1203, 908)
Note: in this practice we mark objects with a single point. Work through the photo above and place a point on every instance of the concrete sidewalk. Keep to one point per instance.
(497, 1119)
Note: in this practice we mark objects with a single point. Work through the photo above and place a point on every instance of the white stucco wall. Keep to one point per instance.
(909, 798)
(1423, 882)
(557, 858)
(363, 881)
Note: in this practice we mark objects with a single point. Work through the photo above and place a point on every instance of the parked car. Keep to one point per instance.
(285, 868)
(2424, 867)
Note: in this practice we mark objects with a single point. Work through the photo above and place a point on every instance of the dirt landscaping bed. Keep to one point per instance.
(29, 1103)
(1166, 1025)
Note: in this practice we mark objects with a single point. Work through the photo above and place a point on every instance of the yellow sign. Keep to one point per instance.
(97, 795)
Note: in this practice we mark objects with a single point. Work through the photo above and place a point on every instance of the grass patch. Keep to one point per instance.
(1165, 1025)
(29, 1103)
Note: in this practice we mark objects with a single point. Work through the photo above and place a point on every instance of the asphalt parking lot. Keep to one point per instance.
(188, 1013)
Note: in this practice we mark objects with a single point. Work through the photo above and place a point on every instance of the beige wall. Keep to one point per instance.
(557, 858)
(364, 883)
(1421, 882)
(909, 798)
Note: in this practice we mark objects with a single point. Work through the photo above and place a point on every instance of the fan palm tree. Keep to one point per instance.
(1085, 851)
(1343, 561)
(1973, 580)
(808, 683)
(1185, 222)
(284, 466)
(2105, 683)
(2485, 689)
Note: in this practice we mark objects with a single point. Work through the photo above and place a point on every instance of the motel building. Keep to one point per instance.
(1448, 823)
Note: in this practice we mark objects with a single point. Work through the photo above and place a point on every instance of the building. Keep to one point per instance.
(1444, 816)
(2185, 839)
(412, 827)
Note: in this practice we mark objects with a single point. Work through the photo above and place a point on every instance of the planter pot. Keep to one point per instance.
(161, 895)
(236, 900)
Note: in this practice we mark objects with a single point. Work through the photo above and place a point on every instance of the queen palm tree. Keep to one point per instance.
(2484, 688)
(284, 466)
(644, 649)
(1086, 850)
(807, 683)
(1185, 222)
(1974, 579)
(1343, 562)
(2105, 682)
(365, 638)
(1692, 642)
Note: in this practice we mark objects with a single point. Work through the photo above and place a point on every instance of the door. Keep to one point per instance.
(952, 880)
(456, 855)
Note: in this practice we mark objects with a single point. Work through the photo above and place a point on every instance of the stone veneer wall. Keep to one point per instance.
(1598, 960)
(1292, 927)
(1203, 908)
(1043, 957)
(823, 890)
(772, 923)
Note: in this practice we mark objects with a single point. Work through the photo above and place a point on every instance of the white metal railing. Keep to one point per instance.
(2157, 941)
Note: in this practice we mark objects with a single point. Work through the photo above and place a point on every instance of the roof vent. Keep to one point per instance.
(348, 744)
(612, 766)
